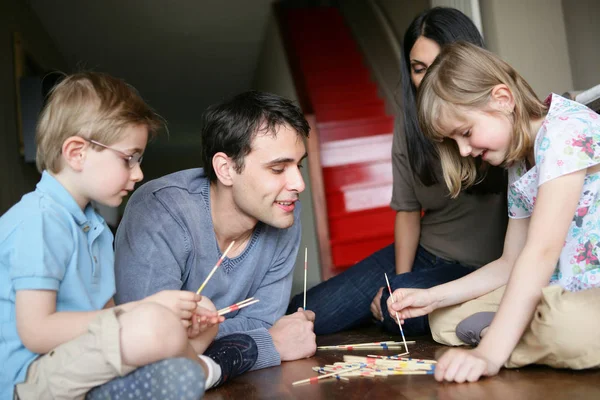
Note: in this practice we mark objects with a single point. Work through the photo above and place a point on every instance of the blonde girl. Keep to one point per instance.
(546, 285)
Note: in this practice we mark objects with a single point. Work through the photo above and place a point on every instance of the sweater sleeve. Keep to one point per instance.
(150, 250)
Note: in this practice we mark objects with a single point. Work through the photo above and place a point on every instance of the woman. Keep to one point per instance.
(452, 239)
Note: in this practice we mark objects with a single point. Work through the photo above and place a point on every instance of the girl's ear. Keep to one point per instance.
(502, 99)
(74, 150)
(223, 166)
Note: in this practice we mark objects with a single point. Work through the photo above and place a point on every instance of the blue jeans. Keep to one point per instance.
(343, 302)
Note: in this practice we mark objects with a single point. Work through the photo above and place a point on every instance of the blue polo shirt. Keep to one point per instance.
(48, 243)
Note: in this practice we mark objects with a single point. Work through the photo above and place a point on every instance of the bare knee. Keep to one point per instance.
(207, 303)
(155, 329)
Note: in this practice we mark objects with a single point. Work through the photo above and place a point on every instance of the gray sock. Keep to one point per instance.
(469, 329)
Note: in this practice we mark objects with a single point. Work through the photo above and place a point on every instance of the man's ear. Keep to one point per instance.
(502, 98)
(74, 150)
(223, 166)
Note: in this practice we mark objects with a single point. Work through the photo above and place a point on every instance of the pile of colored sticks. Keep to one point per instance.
(372, 366)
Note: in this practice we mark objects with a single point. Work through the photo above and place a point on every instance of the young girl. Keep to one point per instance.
(475, 105)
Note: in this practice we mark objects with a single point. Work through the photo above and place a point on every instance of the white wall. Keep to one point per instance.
(401, 13)
(17, 177)
(583, 36)
(468, 7)
(273, 75)
(531, 36)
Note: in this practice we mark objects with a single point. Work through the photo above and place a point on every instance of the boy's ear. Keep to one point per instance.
(503, 99)
(74, 150)
(224, 168)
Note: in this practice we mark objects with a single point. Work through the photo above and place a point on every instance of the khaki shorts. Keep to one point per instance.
(563, 332)
(75, 367)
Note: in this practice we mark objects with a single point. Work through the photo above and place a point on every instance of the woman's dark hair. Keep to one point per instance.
(443, 25)
(231, 126)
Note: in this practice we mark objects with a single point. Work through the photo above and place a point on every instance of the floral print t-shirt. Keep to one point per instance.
(568, 141)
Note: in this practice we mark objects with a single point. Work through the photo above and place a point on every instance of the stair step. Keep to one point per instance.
(355, 176)
(342, 92)
(354, 151)
(341, 130)
(359, 224)
(339, 204)
(347, 254)
(325, 81)
(372, 110)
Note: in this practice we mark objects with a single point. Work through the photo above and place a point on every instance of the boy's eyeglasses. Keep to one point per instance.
(132, 159)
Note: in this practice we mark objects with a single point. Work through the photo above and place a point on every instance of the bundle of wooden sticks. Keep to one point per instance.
(372, 366)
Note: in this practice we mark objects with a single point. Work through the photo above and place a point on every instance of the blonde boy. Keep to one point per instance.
(60, 334)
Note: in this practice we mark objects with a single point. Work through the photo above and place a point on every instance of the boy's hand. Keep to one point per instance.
(182, 303)
(411, 303)
(202, 320)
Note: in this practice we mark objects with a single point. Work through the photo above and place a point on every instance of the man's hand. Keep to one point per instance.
(376, 305)
(293, 335)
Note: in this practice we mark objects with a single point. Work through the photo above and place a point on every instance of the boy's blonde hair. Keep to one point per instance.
(464, 75)
(92, 105)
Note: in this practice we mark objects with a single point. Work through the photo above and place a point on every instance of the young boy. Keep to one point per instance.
(60, 332)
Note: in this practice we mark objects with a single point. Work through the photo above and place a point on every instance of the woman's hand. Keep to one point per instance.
(460, 365)
(411, 303)
(376, 305)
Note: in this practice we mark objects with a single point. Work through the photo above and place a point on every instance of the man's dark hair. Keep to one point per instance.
(230, 127)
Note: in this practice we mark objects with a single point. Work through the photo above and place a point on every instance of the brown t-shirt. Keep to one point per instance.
(469, 229)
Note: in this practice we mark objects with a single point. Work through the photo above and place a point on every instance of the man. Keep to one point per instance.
(176, 227)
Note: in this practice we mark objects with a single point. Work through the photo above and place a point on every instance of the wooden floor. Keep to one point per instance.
(525, 383)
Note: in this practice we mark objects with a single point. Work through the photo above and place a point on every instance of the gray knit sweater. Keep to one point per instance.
(166, 240)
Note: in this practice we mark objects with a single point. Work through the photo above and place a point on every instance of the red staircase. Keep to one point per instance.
(355, 134)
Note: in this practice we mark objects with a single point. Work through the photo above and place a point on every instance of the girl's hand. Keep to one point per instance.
(182, 303)
(202, 320)
(411, 303)
(460, 365)
(376, 306)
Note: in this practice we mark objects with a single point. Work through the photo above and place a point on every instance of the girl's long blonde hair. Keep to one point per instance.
(464, 75)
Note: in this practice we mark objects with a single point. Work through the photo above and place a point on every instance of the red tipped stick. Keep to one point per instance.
(215, 267)
(315, 379)
(237, 306)
(305, 269)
